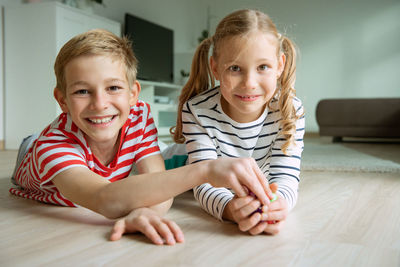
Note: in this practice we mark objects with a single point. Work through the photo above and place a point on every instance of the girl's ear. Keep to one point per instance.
(281, 64)
(59, 96)
(214, 69)
(134, 93)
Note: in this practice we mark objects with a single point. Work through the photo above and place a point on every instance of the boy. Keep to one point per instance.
(85, 156)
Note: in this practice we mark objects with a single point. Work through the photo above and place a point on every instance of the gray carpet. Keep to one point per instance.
(319, 156)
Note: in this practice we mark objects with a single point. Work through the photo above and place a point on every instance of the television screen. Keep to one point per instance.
(153, 46)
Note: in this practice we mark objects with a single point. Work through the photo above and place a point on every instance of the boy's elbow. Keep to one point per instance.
(109, 206)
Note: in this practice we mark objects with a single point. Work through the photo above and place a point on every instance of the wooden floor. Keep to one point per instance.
(341, 219)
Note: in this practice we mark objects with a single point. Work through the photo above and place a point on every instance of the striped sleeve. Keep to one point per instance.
(285, 169)
(53, 158)
(200, 146)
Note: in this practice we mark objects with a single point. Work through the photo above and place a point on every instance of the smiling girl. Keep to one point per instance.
(252, 113)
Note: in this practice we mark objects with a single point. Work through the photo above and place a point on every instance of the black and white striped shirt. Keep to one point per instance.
(210, 134)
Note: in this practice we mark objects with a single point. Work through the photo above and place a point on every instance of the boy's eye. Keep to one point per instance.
(114, 88)
(234, 68)
(263, 67)
(81, 92)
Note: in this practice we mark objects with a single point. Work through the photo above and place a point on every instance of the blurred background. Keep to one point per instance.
(348, 48)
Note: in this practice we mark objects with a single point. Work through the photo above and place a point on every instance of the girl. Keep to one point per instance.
(252, 113)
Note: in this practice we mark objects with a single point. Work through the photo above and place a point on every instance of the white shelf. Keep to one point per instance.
(164, 114)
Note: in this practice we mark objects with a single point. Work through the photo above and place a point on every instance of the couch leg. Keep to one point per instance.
(337, 139)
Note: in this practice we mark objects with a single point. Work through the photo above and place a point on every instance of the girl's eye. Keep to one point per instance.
(234, 68)
(263, 67)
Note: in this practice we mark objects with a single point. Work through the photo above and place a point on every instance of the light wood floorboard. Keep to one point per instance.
(341, 219)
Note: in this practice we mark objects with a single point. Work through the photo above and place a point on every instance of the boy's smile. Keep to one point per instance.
(98, 98)
(247, 68)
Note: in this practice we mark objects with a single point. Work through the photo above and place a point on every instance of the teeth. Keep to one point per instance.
(103, 120)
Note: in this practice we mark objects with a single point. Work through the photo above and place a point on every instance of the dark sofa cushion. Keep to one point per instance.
(370, 117)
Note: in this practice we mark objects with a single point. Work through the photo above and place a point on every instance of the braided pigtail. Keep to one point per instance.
(199, 81)
(287, 92)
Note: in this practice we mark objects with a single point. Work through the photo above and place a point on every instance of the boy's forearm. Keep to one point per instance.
(162, 208)
(119, 198)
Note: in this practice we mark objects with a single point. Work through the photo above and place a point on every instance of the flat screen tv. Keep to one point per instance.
(153, 46)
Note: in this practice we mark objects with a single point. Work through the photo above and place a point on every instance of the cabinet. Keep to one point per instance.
(33, 35)
(163, 100)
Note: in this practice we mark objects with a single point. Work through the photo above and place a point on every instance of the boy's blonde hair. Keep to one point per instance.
(96, 42)
(239, 24)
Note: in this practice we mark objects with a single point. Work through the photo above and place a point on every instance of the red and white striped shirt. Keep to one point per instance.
(62, 145)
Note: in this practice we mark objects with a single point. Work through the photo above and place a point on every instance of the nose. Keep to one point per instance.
(250, 80)
(99, 100)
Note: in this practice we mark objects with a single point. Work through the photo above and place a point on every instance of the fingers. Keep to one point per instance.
(248, 223)
(273, 229)
(246, 174)
(176, 231)
(274, 187)
(118, 230)
(277, 211)
(238, 203)
(151, 233)
(258, 229)
(158, 230)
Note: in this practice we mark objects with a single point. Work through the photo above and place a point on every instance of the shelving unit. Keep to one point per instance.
(163, 100)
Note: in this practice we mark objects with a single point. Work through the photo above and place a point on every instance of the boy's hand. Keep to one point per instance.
(238, 174)
(149, 223)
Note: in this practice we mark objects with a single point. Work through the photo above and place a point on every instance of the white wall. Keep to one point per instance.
(185, 17)
(348, 48)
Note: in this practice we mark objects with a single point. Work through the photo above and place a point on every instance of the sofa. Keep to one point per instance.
(359, 117)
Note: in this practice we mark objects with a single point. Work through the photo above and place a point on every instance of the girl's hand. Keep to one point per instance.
(149, 223)
(237, 174)
(242, 210)
(272, 220)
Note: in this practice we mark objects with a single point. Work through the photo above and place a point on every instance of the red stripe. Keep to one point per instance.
(150, 133)
(54, 156)
(49, 148)
(63, 120)
(74, 128)
(69, 203)
(119, 176)
(146, 152)
(60, 166)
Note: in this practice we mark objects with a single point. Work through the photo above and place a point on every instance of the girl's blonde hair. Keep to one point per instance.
(100, 43)
(240, 23)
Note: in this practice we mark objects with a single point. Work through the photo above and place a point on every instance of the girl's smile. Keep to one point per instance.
(248, 98)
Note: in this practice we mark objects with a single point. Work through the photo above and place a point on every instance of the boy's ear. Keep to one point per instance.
(281, 64)
(134, 93)
(213, 66)
(59, 96)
